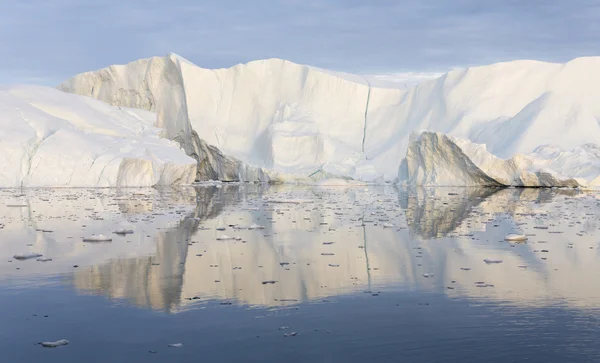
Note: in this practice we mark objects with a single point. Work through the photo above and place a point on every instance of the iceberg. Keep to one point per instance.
(436, 159)
(296, 120)
(50, 138)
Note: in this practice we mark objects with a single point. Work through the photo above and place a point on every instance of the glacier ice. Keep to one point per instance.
(51, 138)
(436, 159)
(297, 120)
(166, 121)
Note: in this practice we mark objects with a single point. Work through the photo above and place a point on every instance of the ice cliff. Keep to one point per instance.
(51, 138)
(436, 159)
(297, 120)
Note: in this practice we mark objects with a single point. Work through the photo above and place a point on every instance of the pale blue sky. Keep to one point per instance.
(46, 41)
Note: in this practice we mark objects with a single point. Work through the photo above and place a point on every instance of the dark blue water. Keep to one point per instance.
(362, 298)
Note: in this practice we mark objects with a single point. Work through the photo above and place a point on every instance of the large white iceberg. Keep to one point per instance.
(435, 159)
(51, 138)
(299, 120)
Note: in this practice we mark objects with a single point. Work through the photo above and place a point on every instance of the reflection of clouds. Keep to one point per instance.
(456, 228)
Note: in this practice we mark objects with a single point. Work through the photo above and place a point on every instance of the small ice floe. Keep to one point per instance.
(175, 345)
(123, 231)
(491, 260)
(55, 344)
(221, 228)
(292, 334)
(515, 237)
(44, 259)
(388, 225)
(26, 256)
(427, 274)
(224, 237)
(97, 238)
(256, 226)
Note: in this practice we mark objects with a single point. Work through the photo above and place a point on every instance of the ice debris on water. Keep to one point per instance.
(175, 345)
(55, 344)
(26, 256)
(224, 237)
(123, 231)
(515, 237)
(97, 238)
(491, 260)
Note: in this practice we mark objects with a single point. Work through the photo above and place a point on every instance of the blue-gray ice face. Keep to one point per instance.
(47, 41)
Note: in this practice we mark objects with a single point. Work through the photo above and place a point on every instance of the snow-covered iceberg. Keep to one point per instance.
(436, 159)
(51, 138)
(296, 120)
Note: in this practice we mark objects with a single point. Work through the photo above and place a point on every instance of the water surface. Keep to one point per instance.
(360, 274)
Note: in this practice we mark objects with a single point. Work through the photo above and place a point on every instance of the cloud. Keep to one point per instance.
(55, 39)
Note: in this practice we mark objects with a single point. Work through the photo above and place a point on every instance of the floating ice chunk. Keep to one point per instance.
(515, 237)
(224, 237)
(256, 226)
(427, 274)
(97, 238)
(388, 225)
(55, 344)
(491, 260)
(175, 345)
(26, 256)
(123, 231)
(44, 259)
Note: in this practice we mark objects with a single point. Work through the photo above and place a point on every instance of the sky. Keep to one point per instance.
(47, 41)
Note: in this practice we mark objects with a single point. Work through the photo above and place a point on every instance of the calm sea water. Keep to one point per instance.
(374, 274)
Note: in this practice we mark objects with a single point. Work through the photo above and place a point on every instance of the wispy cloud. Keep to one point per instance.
(55, 39)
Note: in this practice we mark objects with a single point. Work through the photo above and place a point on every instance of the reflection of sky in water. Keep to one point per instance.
(357, 257)
(383, 239)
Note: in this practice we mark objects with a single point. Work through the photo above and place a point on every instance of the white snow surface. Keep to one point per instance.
(296, 119)
(436, 159)
(50, 138)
